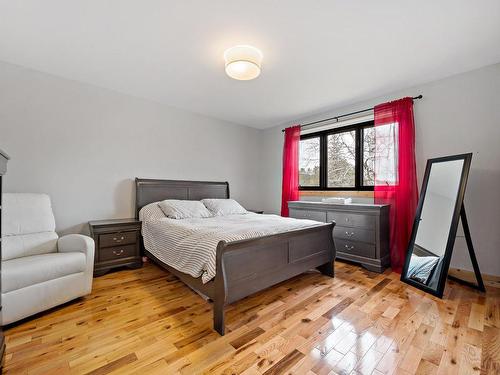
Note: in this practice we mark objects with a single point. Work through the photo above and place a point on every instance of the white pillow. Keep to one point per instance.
(181, 209)
(222, 207)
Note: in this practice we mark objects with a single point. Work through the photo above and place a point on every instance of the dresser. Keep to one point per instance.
(361, 233)
(3, 169)
(117, 244)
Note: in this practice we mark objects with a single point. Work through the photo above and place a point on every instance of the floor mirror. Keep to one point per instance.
(440, 210)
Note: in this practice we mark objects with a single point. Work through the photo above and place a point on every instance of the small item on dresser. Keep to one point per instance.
(337, 200)
(117, 244)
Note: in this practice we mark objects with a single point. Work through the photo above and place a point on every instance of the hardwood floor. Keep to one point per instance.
(146, 321)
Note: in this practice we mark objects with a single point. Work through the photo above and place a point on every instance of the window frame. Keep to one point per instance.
(323, 157)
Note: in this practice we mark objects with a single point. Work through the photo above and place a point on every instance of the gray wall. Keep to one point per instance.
(457, 114)
(84, 145)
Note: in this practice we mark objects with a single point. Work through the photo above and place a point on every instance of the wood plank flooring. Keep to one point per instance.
(146, 321)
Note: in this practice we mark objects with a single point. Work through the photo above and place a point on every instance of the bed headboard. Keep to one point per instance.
(149, 191)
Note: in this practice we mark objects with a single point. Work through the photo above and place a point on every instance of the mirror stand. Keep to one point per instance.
(440, 208)
(472, 254)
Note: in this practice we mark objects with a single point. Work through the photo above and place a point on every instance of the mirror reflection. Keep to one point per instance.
(435, 222)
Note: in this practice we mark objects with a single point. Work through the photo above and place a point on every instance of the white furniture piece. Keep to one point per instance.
(39, 269)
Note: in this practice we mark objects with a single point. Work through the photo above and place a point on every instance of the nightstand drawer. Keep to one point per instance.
(117, 239)
(117, 252)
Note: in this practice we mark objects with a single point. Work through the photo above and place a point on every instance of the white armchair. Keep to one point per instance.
(39, 269)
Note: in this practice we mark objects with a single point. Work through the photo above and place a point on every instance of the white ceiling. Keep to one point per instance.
(317, 54)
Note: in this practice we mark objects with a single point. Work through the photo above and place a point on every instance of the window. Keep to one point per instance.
(368, 156)
(387, 154)
(341, 163)
(309, 162)
(338, 159)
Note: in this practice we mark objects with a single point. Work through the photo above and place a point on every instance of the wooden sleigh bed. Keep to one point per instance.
(247, 266)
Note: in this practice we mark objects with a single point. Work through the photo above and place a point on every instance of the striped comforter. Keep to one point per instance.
(190, 245)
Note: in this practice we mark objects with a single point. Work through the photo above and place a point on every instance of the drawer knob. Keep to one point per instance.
(347, 219)
(118, 239)
(349, 234)
(118, 253)
(349, 247)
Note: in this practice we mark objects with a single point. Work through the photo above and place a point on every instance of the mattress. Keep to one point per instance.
(190, 245)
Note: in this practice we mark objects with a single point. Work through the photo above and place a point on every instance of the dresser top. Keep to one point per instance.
(315, 204)
(112, 222)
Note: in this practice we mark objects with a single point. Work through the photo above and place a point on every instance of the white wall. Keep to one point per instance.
(457, 114)
(84, 146)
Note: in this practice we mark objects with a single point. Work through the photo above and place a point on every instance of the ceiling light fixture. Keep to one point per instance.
(243, 62)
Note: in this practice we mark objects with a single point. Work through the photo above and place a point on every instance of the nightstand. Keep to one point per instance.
(256, 211)
(117, 244)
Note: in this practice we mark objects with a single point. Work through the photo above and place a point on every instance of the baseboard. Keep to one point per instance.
(489, 280)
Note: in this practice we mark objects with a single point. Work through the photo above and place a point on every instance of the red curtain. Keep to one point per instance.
(290, 186)
(395, 172)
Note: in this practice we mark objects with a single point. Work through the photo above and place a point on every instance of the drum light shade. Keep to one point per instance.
(243, 62)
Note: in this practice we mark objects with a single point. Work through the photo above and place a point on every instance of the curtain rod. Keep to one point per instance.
(346, 115)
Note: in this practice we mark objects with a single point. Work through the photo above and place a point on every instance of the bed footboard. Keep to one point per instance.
(248, 266)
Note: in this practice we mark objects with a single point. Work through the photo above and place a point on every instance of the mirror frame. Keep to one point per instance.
(467, 158)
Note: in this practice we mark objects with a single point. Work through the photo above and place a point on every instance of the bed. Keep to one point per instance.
(246, 266)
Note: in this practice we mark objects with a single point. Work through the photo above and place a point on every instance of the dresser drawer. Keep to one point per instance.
(308, 214)
(352, 220)
(355, 248)
(117, 252)
(117, 239)
(354, 234)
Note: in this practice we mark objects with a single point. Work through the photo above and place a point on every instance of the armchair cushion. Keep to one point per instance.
(29, 244)
(28, 225)
(27, 213)
(26, 271)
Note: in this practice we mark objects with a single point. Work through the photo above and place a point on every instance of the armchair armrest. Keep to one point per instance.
(76, 243)
(79, 243)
